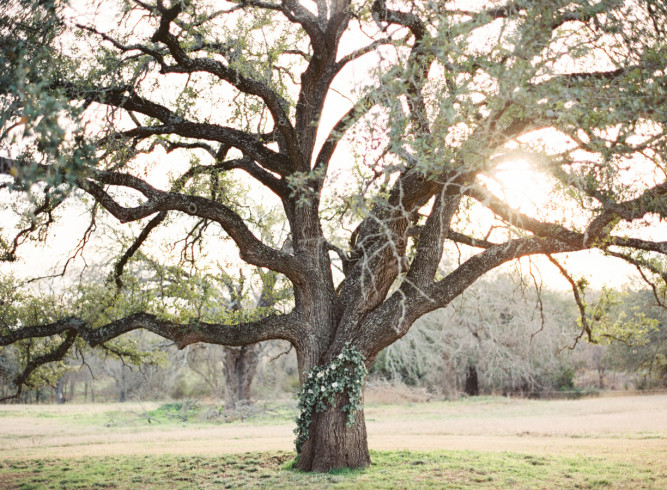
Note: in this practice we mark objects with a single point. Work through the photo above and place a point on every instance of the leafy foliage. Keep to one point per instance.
(644, 355)
(613, 318)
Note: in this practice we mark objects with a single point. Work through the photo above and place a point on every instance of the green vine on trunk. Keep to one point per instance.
(345, 374)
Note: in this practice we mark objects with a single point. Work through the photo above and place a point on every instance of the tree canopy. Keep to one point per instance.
(377, 180)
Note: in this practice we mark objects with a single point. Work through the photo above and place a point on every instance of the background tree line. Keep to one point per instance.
(502, 337)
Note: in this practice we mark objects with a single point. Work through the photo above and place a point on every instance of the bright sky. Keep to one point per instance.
(531, 193)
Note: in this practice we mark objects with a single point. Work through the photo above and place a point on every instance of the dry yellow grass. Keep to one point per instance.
(632, 428)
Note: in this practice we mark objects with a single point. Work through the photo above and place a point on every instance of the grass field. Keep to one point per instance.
(618, 442)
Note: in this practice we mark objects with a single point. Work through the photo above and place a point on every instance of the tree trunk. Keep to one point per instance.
(60, 395)
(122, 386)
(472, 383)
(448, 380)
(331, 444)
(240, 366)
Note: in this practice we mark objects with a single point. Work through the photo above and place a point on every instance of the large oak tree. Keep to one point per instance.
(376, 183)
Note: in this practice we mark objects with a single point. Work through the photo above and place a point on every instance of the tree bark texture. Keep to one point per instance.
(331, 444)
(472, 382)
(240, 366)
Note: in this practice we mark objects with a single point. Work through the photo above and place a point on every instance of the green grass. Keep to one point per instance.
(397, 469)
(178, 413)
(189, 413)
(603, 466)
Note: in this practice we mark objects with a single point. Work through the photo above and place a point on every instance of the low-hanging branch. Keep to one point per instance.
(284, 327)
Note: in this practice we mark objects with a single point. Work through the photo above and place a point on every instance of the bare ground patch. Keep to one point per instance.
(13, 480)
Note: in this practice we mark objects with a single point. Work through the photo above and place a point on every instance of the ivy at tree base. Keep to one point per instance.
(345, 374)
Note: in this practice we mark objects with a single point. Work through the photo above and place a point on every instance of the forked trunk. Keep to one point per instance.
(331, 428)
(332, 444)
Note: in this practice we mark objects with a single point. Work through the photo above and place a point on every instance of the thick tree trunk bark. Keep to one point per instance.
(240, 366)
(331, 444)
